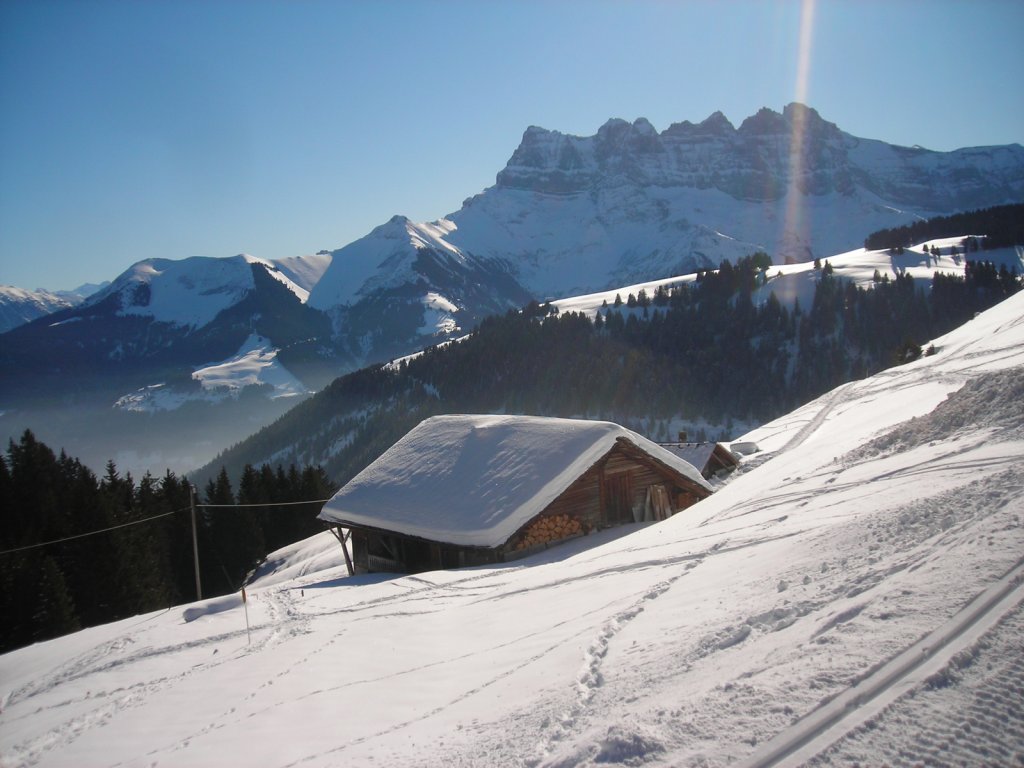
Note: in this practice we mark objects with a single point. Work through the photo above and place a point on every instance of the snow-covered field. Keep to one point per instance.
(854, 593)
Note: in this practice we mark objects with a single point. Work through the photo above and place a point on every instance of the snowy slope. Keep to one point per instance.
(816, 609)
(255, 363)
(305, 271)
(190, 292)
(18, 306)
(384, 258)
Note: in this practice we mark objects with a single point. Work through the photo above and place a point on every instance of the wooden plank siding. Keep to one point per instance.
(590, 498)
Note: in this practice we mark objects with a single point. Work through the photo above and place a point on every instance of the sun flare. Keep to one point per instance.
(795, 230)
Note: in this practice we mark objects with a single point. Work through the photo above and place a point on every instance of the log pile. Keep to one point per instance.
(548, 529)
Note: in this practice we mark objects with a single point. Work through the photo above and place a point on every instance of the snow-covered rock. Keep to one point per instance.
(190, 292)
(571, 214)
(19, 306)
(255, 364)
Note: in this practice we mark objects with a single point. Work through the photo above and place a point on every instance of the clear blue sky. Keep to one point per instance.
(131, 130)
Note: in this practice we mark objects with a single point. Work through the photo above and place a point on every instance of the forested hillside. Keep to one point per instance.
(702, 352)
(1002, 225)
(145, 561)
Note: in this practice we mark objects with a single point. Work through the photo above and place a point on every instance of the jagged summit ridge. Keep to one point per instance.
(752, 162)
(578, 213)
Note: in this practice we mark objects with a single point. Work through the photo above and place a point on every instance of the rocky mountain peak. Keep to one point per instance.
(765, 122)
(716, 125)
(796, 114)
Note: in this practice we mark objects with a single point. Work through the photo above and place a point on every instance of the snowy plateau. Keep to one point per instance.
(851, 595)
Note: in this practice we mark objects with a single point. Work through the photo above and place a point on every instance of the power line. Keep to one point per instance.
(92, 533)
(264, 504)
(157, 517)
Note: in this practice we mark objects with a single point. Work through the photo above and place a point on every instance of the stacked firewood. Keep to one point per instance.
(547, 529)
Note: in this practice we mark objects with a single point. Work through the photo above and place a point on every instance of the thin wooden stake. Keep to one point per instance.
(245, 604)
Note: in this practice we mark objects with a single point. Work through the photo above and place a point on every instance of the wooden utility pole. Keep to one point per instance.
(195, 539)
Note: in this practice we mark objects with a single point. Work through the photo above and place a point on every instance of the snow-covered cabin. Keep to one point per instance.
(467, 490)
(710, 459)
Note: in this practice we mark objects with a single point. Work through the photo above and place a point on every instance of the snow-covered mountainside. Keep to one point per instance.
(305, 271)
(254, 365)
(161, 316)
(229, 344)
(855, 594)
(572, 214)
(568, 216)
(19, 306)
(188, 293)
(403, 287)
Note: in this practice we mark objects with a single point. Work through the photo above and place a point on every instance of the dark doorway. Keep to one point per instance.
(618, 498)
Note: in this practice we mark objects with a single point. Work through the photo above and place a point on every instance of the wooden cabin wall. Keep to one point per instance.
(372, 552)
(581, 500)
(360, 551)
(591, 498)
(644, 474)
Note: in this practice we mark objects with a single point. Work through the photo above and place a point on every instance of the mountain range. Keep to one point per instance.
(19, 306)
(567, 215)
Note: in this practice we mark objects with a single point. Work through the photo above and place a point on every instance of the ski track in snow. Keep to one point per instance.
(591, 679)
(855, 591)
(285, 623)
(940, 647)
(832, 400)
(984, 726)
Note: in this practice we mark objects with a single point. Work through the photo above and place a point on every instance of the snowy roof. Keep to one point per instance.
(700, 454)
(475, 480)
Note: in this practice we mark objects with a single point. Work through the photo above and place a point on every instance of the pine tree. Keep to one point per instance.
(54, 611)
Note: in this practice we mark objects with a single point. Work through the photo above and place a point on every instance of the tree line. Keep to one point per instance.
(1003, 226)
(79, 582)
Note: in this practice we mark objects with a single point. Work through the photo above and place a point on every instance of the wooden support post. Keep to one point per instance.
(341, 540)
